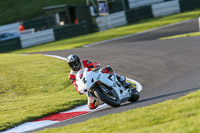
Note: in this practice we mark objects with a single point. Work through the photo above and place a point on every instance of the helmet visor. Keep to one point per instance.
(75, 65)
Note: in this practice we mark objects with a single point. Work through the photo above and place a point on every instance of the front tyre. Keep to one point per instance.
(107, 96)
(134, 95)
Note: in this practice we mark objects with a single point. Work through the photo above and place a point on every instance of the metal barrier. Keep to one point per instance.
(140, 3)
(72, 30)
(10, 45)
(36, 38)
(166, 8)
(134, 15)
(10, 28)
(111, 21)
(187, 5)
(28, 31)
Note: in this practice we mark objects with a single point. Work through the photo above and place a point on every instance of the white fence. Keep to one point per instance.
(10, 28)
(140, 3)
(166, 8)
(36, 38)
(111, 21)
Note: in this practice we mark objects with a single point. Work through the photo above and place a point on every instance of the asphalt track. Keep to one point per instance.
(167, 69)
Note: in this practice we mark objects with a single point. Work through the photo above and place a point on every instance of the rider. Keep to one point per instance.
(75, 64)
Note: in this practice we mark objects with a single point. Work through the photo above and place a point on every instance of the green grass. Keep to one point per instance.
(112, 33)
(18, 10)
(182, 35)
(178, 116)
(32, 86)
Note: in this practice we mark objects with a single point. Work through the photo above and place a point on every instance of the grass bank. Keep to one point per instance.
(18, 10)
(112, 33)
(32, 86)
(182, 35)
(179, 116)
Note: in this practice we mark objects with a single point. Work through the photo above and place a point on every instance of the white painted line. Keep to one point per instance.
(86, 108)
(28, 126)
(138, 85)
(56, 56)
(135, 34)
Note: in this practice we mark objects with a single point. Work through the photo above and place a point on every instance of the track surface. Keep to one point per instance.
(167, 69)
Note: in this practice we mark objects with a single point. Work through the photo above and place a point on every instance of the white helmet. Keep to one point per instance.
(74, 62)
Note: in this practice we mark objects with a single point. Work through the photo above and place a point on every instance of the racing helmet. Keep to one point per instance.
(74, 62)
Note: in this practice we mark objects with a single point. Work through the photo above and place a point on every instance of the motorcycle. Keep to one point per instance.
(105, 87)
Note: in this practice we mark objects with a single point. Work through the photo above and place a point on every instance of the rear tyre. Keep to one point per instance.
(134, 95)
(109, 97)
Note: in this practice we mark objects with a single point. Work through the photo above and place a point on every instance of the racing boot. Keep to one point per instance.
(93, 104)
(123, 82)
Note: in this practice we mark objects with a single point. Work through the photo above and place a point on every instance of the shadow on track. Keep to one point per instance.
(163, 96)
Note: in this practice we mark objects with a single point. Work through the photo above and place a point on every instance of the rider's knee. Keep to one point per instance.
(107, 69)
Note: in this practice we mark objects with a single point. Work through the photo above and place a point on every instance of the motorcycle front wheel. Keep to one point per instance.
(134, 95)
(108, 96)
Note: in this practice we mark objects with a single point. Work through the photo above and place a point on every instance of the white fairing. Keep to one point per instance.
(85, 81)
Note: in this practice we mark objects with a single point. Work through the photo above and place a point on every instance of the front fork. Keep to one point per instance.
(91, 95)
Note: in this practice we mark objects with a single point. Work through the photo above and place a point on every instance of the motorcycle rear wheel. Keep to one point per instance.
(112, 100)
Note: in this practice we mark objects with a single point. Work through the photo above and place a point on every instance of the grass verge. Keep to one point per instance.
(180, 115)
(182, 35)
(112, 33)
(32, 86)
(18, 10)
